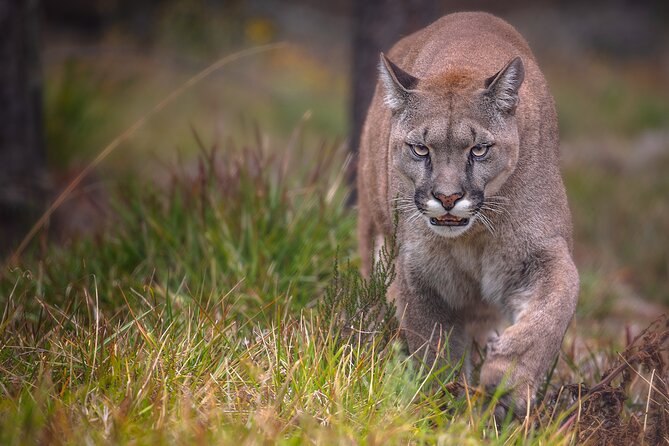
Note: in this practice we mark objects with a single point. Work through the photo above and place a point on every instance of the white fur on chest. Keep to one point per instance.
(462, 274)
(454, 274)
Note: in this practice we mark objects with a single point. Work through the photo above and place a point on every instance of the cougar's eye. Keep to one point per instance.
(480, 150)
(420, 150)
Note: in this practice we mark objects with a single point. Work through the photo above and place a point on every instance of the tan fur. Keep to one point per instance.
(451, 81)
(520, 270)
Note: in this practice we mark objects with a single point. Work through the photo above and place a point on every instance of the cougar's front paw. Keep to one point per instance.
(501, 378)
(503, 405)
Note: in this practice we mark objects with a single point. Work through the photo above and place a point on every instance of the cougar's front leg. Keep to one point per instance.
(431, 329)
(519, 358)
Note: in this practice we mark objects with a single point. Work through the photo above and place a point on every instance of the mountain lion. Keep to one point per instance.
(461, 143)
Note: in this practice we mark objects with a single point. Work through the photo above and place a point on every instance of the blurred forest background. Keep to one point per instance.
(105, 63)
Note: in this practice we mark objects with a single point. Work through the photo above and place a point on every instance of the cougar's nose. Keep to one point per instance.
(448, 201)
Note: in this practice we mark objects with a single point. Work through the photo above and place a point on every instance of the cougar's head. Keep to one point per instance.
(454, 136)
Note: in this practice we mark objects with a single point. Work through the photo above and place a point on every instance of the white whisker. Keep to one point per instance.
(416, 215)
(405, 207)
(498, 197)
(496, 211)
(401, 200)
(486, 222)
(495, 206)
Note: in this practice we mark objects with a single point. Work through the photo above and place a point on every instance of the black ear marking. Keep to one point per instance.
(397, 82)
(400, 77)
(503, 87)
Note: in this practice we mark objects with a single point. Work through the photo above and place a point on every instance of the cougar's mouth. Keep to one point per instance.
(449, 220)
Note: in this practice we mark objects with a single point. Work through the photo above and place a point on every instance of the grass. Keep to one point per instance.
(214, 311)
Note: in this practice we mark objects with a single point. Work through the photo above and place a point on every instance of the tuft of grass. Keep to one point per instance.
(357, 306)
(234, 219)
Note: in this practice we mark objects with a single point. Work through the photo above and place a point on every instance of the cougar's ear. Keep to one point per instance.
(397, 83)
(503, 87)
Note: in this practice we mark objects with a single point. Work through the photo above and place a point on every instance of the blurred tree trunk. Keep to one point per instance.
(377, 25)
(21, 148)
